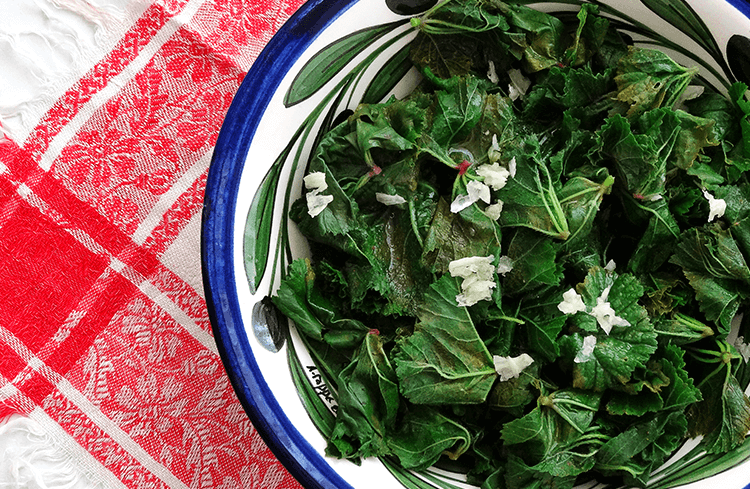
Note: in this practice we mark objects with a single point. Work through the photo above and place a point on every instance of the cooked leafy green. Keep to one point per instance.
(531, 267)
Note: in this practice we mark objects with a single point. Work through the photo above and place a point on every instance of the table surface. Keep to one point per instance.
(109, 373)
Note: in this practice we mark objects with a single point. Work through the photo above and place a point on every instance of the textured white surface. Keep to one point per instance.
(45, 45)
(30, 459)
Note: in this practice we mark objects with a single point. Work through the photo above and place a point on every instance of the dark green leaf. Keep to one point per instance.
(681, 329)
(392, 266)
(642, 447)
(530, 197)
(575, 406)
(513, 394)
(640, 159)
(543, 333)
(589, 36)
(658, 241)
(648, 79)
(458, 110)
(580, 199)
(368, 403)
(291, 299)
(520, 476)
(454, 236)
(314, 314)
(716, 270)
(543, 45)
(534, 262)
(617, 354)
(424, 434)
(444, 360)
(721, 394)
(447, 55)
(681, 391)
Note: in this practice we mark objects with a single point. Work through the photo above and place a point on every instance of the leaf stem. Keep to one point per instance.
(413, 219)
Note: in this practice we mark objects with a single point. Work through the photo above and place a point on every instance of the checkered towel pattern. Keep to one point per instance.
(104, 336)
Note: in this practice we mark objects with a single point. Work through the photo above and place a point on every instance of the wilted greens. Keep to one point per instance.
(534, 268)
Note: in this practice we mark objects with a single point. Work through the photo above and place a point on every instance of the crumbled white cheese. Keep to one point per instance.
(494, 175)
(475, 191)
(316, 203)
(388, 199)
(478, 274)
(316, 183)
(717, 206)
(512, 166)
(504, 265)
(492, 73)
(742, 348)
(511, 367)
(610, 266)
(460, 203)
(572, 302)
(519, 84)
(495, 144)
(494, 153)
(587, 349)
(493, 211)
(479, 191)
(605, 315)
(474, 290)
(472, 265)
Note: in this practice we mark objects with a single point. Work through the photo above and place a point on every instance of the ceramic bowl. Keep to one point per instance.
(247, 190)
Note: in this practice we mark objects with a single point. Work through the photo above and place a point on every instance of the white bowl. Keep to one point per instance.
(259, 126)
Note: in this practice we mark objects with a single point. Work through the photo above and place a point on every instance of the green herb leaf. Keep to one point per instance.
(648, 79)
(721, 394)
(314, 314)
(616, 355)
(716, 269)
(424, 435)
(543, 43)
(530, 198)
(589, 36)
(368, 403)
(458, 110)
(454, 236)
(641, 448)
(575, 406)
(444, 360)
(580, 199)
(534, 262)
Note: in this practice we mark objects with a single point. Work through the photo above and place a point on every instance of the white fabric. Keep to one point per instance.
(30, 460)
(45, 45)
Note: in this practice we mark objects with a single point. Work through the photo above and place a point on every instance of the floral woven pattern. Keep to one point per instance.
(105, 339)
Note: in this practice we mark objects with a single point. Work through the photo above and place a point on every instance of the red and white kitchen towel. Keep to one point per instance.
(109, 374)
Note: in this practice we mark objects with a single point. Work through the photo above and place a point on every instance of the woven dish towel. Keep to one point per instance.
(109, 374)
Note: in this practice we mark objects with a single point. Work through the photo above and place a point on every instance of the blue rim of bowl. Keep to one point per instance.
(222, 189)
(744, 7)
